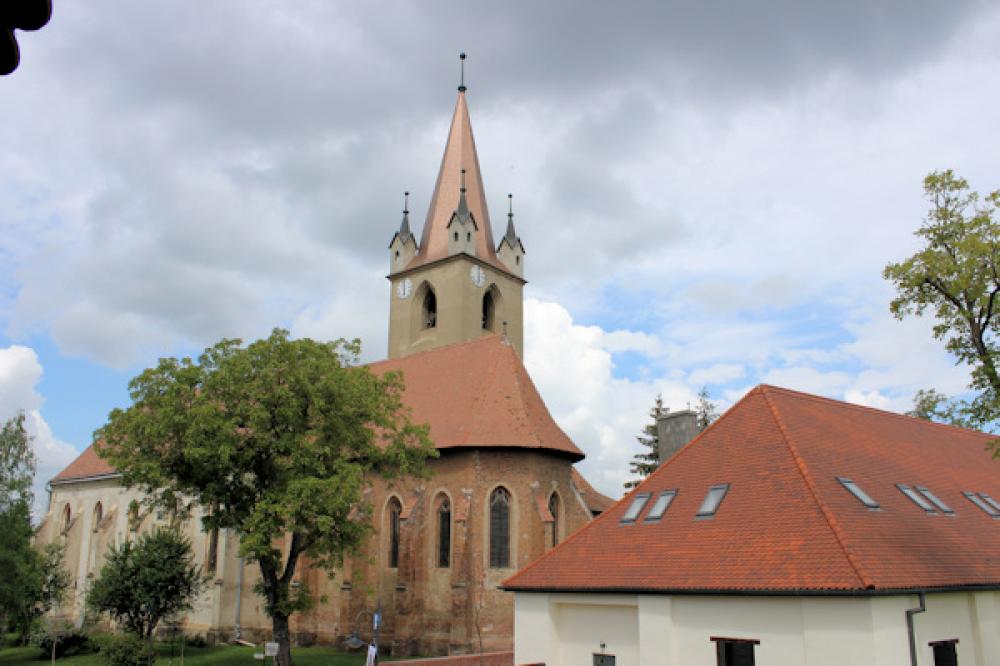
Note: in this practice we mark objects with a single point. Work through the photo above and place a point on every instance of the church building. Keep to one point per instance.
(503, 491)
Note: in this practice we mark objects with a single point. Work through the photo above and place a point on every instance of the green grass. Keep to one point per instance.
(223, 655)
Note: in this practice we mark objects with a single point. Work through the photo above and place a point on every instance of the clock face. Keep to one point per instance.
(404, 287)
(478, 276)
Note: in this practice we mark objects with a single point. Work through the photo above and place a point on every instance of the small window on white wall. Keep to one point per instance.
(734, 651)
(945, 652)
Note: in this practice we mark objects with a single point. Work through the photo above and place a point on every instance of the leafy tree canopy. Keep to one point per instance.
(955, 277)
(277, 439)
(17, 463)
(146, 580)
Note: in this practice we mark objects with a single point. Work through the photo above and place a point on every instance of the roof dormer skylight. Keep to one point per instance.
(660, 506)
(712, 500)
(917, 498)
(944, 508)
(989, 500)
(635, 508)
(861, 495)
(981, 502)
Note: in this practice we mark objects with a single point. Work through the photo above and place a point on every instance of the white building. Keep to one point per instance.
(795, 530)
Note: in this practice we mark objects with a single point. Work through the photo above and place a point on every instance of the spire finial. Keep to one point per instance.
(510, 206)
(406, 203)
(461, 81)
(462, 188)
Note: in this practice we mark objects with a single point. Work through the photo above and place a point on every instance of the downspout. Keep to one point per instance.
(910, 612)
(239, 592)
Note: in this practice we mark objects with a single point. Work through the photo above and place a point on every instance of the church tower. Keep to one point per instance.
(455, 285)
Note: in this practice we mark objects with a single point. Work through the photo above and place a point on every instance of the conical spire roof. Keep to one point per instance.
(459, 154)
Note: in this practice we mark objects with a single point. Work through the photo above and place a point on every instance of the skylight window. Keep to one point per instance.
(989, 500)
(917, 498)
(983, 504)
(936, 501)
(712, 500)
(861, 495)
(635, 508)
(660, 506)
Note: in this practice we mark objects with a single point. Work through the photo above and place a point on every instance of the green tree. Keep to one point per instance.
(33, 582)
(956, 277)
(282, 436)
(146, 580)
(706, 410)
(17, 464)
(647, 460)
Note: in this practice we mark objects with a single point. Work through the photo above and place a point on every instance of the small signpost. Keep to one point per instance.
(270, 649)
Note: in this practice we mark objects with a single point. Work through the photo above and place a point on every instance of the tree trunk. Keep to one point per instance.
(279, 626)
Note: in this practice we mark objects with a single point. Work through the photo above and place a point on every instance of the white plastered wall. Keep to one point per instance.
(665, 630)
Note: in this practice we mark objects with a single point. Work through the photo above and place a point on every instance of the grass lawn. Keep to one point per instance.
(223, 655)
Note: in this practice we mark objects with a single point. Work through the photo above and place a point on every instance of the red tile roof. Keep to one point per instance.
(787, 524)
(479, 394)
(596, 502)
(473, 394)
(88, 464)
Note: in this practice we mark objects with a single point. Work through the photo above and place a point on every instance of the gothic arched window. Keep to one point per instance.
(444, 533)
(554, 510)
(395, 509)
(488, 309)
(67, 515)
(98, 515)
(430, 309)
(500, 528)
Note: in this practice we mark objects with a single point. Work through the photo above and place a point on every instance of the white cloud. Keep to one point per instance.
(20, 373)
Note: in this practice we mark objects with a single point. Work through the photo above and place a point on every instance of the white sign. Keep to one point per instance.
(271, 649)
(372, 659)
(258, 655)
(376, 618)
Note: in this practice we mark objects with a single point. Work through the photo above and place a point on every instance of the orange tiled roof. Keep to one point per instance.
(596, 502)
(787, 524)
(88, 464)
(473, 394)
(478, 393)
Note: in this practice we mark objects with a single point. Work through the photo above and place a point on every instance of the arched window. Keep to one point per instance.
(98, 516)
(456, 236)
(430, 309)
(395, 509)
(67, 514)
(444, 533)
(500, 528)
(468, 237)
(488, 310)
(554, 510)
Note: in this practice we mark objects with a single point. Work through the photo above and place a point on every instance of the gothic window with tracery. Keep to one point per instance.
(395, 510)
(554, 510)
(500, 528)
(444, 533)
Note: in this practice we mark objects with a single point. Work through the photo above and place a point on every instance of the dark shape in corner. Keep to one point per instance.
(19, 15)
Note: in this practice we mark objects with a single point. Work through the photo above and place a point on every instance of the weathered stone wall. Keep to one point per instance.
(427, 609)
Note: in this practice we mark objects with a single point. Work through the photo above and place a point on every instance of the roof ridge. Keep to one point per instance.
(853, 405)
(811, 485)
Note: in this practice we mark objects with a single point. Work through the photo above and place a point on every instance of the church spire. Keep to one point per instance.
(404, 227)
(510, 236)
(459, 154)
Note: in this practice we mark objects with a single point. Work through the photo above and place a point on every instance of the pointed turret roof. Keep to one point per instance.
(404, 234)
(459, 154)
(511, 235)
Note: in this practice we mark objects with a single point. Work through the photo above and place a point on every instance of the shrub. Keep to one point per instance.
(197, 641)
(123, 650)
(72, 641)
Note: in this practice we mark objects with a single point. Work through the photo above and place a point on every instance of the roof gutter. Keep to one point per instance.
(910, 612)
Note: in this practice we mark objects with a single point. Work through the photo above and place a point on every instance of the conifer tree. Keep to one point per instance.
(645, 462)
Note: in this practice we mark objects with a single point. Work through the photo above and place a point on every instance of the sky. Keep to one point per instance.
(707, 192)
